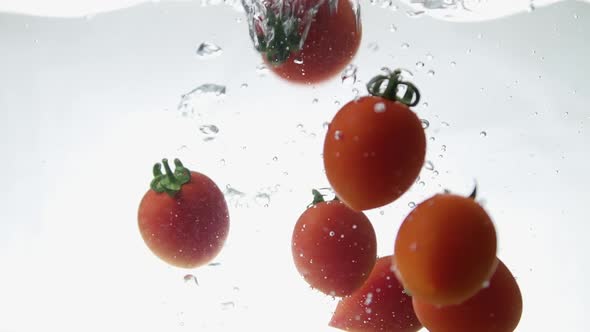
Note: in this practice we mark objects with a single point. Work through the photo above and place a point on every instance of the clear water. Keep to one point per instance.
(88, 104)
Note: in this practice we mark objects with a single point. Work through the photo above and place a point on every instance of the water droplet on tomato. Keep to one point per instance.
(354, 226)
(332, 233)
(208, 50)
(379, 107)
(485, 284)
(298, 61)
(338, 135)
(369, 298)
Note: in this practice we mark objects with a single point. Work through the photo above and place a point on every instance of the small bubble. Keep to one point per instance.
(425, 123)
(429, 56)
(191, 278)
(443, 148)
(275, 158)
(338, 135)
(262, 199)
(227, 305)
(368, 310)
(405, 46)
(453, 63)
(419, 64)
(425, 105)
(332, 233)
(483, 133)
(415, 14)
(432, 138)
(485, 284)
(373, 46)
(337, 102)
(576, 16)
(298, 61)
(392, 28)
(445, 124)
(382, 212)
(349, 74)
(244, 85)
(430, 73)
(369, 298)
(315, 101)
(429, 165)
(262, 69)
(325, 125)
(412, 205)
(354, 226)
(299, 126)
(208, 50)
(379, 107)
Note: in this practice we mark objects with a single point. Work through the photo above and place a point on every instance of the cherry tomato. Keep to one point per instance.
(445, 249)
(374, 149)
(496, 308)
(334, 247)
(183, 218)
(330, 43)
(379, 305)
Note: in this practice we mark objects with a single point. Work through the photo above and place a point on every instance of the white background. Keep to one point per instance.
(88, 104)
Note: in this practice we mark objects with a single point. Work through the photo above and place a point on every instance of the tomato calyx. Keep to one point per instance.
(281, 39)
(170, 182)
(395, 81)
(318, 198)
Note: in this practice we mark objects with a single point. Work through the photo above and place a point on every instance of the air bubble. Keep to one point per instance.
(338, 135)
(208, 50)
(412, 205)
(349, 74)
(429, 165)
(419, 64)
(332, 233)
(405, 46)
(425, 123)
(483, 133)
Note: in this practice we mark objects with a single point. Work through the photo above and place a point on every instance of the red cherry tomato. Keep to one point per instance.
(331, 41)
(183, 218)
(379, 305)
(496, 308)
(334, 248)
(445, 249)
(374, 150)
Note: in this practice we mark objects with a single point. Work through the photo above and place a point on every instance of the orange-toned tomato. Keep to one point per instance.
(329, 45)
(334, 248)
(379, 305)
(374, 150)
(183, 218)
(445, 249)
(496, 308)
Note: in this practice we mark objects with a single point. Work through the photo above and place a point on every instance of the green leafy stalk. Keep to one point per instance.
(411, 96)
(169, 182)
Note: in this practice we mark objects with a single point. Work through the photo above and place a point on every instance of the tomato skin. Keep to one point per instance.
(189, 229)
(445, 249)
(331, 43)
(497, 308)
(387, 309)
(334, 248)
(373, 157)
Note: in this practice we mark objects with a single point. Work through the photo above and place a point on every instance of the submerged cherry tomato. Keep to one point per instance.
(334, 248)
(379, 305)
(374, 149)
(495, 308)
(445, 249)
(183, 218)
(330, 41)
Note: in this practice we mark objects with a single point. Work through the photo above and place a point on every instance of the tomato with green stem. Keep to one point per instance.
(445, 249)
(307, 41)
(495, 308)
(380, 304)
(334, 248)
(183, 218)
(375, 146)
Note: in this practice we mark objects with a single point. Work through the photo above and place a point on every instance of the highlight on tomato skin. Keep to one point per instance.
(381, 304)
(445, 249)
(375, 146)
(183, 219)
(330, 40)
(334, 248)
(495, 308)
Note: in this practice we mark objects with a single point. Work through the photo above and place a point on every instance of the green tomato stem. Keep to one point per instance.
(170, 182)
(394, 80)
